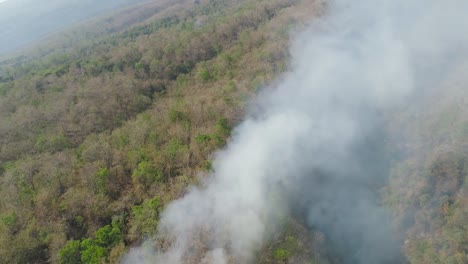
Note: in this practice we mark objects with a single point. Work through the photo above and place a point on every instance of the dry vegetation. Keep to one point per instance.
(101, 131)
(99, 134)
(428, 188)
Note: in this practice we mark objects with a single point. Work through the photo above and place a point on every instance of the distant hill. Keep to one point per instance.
(23, 21)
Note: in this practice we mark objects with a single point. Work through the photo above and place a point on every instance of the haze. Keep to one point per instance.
(24, 21)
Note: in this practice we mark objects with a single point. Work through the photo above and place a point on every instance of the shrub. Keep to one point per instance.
(205, 74)
(222, 127)
(10, 221)
(203, 138)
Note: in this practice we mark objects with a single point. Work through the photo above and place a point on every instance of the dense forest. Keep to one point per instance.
(104, 124)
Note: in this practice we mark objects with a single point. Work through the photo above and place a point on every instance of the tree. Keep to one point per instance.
(70, 253)
(91, 252)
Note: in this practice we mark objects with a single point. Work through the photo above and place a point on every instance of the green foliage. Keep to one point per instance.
(101, 179)
(9, 219)
(145, 217)
(174, 148)
(70, 253)
(10, 222)
(281, 254)
(222, 127)
(140, 66)
(121, 140)
(286, 248)
(26, 191)
(205, 74)
(109, 235)
(222, 131)
(146, 173)
(51, 143)
(208, 165)
(91, 252)
(202, 138)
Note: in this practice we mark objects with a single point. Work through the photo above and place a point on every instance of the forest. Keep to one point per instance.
(104, 124)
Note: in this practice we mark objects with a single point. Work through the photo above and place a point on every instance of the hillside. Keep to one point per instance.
(116, 128)
(103, 125)
(24, 21)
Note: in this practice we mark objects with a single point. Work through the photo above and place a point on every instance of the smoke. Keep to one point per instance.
(315, 144)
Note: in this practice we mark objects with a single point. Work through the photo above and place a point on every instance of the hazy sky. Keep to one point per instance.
(23, 21)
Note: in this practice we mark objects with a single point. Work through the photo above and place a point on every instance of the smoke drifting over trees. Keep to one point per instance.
(314, 145)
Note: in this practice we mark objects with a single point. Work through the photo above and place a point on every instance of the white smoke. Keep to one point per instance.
(314, 144)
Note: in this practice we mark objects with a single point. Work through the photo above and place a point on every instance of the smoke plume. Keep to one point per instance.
(315, 144)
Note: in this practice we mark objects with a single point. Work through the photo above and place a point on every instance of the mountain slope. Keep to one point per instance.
(24, 21)
(103, 125)
(115, 129)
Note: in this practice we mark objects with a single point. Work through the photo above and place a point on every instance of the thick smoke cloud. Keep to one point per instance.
(315, 145)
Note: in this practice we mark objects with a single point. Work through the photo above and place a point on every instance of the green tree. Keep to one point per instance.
(91, 252)
(109, 235)
(146, 173)
(144, 219)
(70, 253)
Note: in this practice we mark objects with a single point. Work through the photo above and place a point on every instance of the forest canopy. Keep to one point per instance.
(103, 124)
